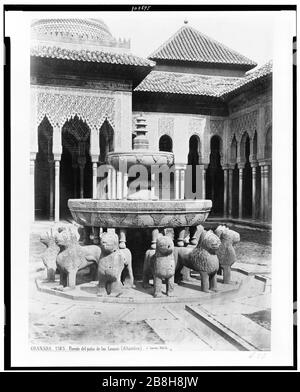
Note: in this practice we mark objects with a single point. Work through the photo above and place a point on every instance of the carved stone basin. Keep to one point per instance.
(143, 157)
(139, 214)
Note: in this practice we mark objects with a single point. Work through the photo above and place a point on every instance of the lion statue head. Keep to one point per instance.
(164, 245)
(209, 241)
(109, 242)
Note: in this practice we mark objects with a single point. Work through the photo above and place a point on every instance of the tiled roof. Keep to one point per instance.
(195, 84)
(184, 83)
(250, 77)
(90, 56)
(188, 44)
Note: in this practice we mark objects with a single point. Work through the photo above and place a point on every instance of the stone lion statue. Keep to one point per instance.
(182, 255)
(226, 252)
(204, 259)
(111, 264)
(73, 256)
(160, 263)
(50, 254)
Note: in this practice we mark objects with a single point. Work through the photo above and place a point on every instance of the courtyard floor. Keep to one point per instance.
(245, 312)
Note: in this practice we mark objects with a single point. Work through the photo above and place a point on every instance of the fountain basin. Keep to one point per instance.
(142, 157)
(139, 214)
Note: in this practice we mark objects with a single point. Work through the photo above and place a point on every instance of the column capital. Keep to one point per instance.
(241, 165)
(95, 158)
(57, 157)
(253, 164)
(265, 162)
(226, 166)
(180, 165)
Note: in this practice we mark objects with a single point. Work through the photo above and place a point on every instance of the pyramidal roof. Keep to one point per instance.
(189, 45)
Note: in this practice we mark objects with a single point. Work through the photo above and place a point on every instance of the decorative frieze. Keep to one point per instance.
(245, 123)
(62, 105)
(166, 126)
(195, 126)
(216, 127)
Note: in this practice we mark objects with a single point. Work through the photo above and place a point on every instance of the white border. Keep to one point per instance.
(281, 353)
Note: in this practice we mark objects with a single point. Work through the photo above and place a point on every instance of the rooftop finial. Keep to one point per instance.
(186, 21)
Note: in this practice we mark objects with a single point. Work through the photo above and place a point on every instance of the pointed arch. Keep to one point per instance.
(44, 171)
(106, 140)
(215, 176)
(165, 143)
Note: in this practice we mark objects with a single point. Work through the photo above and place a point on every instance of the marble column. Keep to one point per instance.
(203, 180)
(32, 185)
(177, 183)
(254, 214)
(109, 178)
(51, 194)
(125, 185)
(182, 182)
(262, 193)
(230, 185)
(225, 209)
(119, 185)
(57, 158)
(94, 169)
(113, 184)
(241, 175)
(266, 192)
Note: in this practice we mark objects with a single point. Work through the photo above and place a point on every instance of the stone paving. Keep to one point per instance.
(245, 312)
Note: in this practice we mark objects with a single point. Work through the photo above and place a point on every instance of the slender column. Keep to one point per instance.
(266, 193)
(109, 180)
(182, 183)
(113, 183)
(254, 191)
(51, 194)
(262, 193)
(230, 182)
(95, 166)
(241, 172)
(119, 185)
(225, 192)
(125, 186)
(203, 180)
(32, 185)
(57, 171)
(177, 183)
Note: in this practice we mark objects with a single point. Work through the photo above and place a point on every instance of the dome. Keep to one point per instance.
(72, 29)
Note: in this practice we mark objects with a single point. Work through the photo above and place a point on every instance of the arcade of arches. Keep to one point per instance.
(72, 173)
(239, 189)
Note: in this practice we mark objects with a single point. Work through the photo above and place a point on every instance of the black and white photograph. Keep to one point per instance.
(149, 226)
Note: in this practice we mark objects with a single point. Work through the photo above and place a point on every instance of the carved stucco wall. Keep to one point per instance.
(180, 127)
(92, 106)
(257, 119)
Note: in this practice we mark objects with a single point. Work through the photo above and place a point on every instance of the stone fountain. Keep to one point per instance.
(122, 208)
(127, 211)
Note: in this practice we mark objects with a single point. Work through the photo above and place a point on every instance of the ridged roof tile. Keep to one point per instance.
(90, 56)
(195, 84)
(188, 44)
